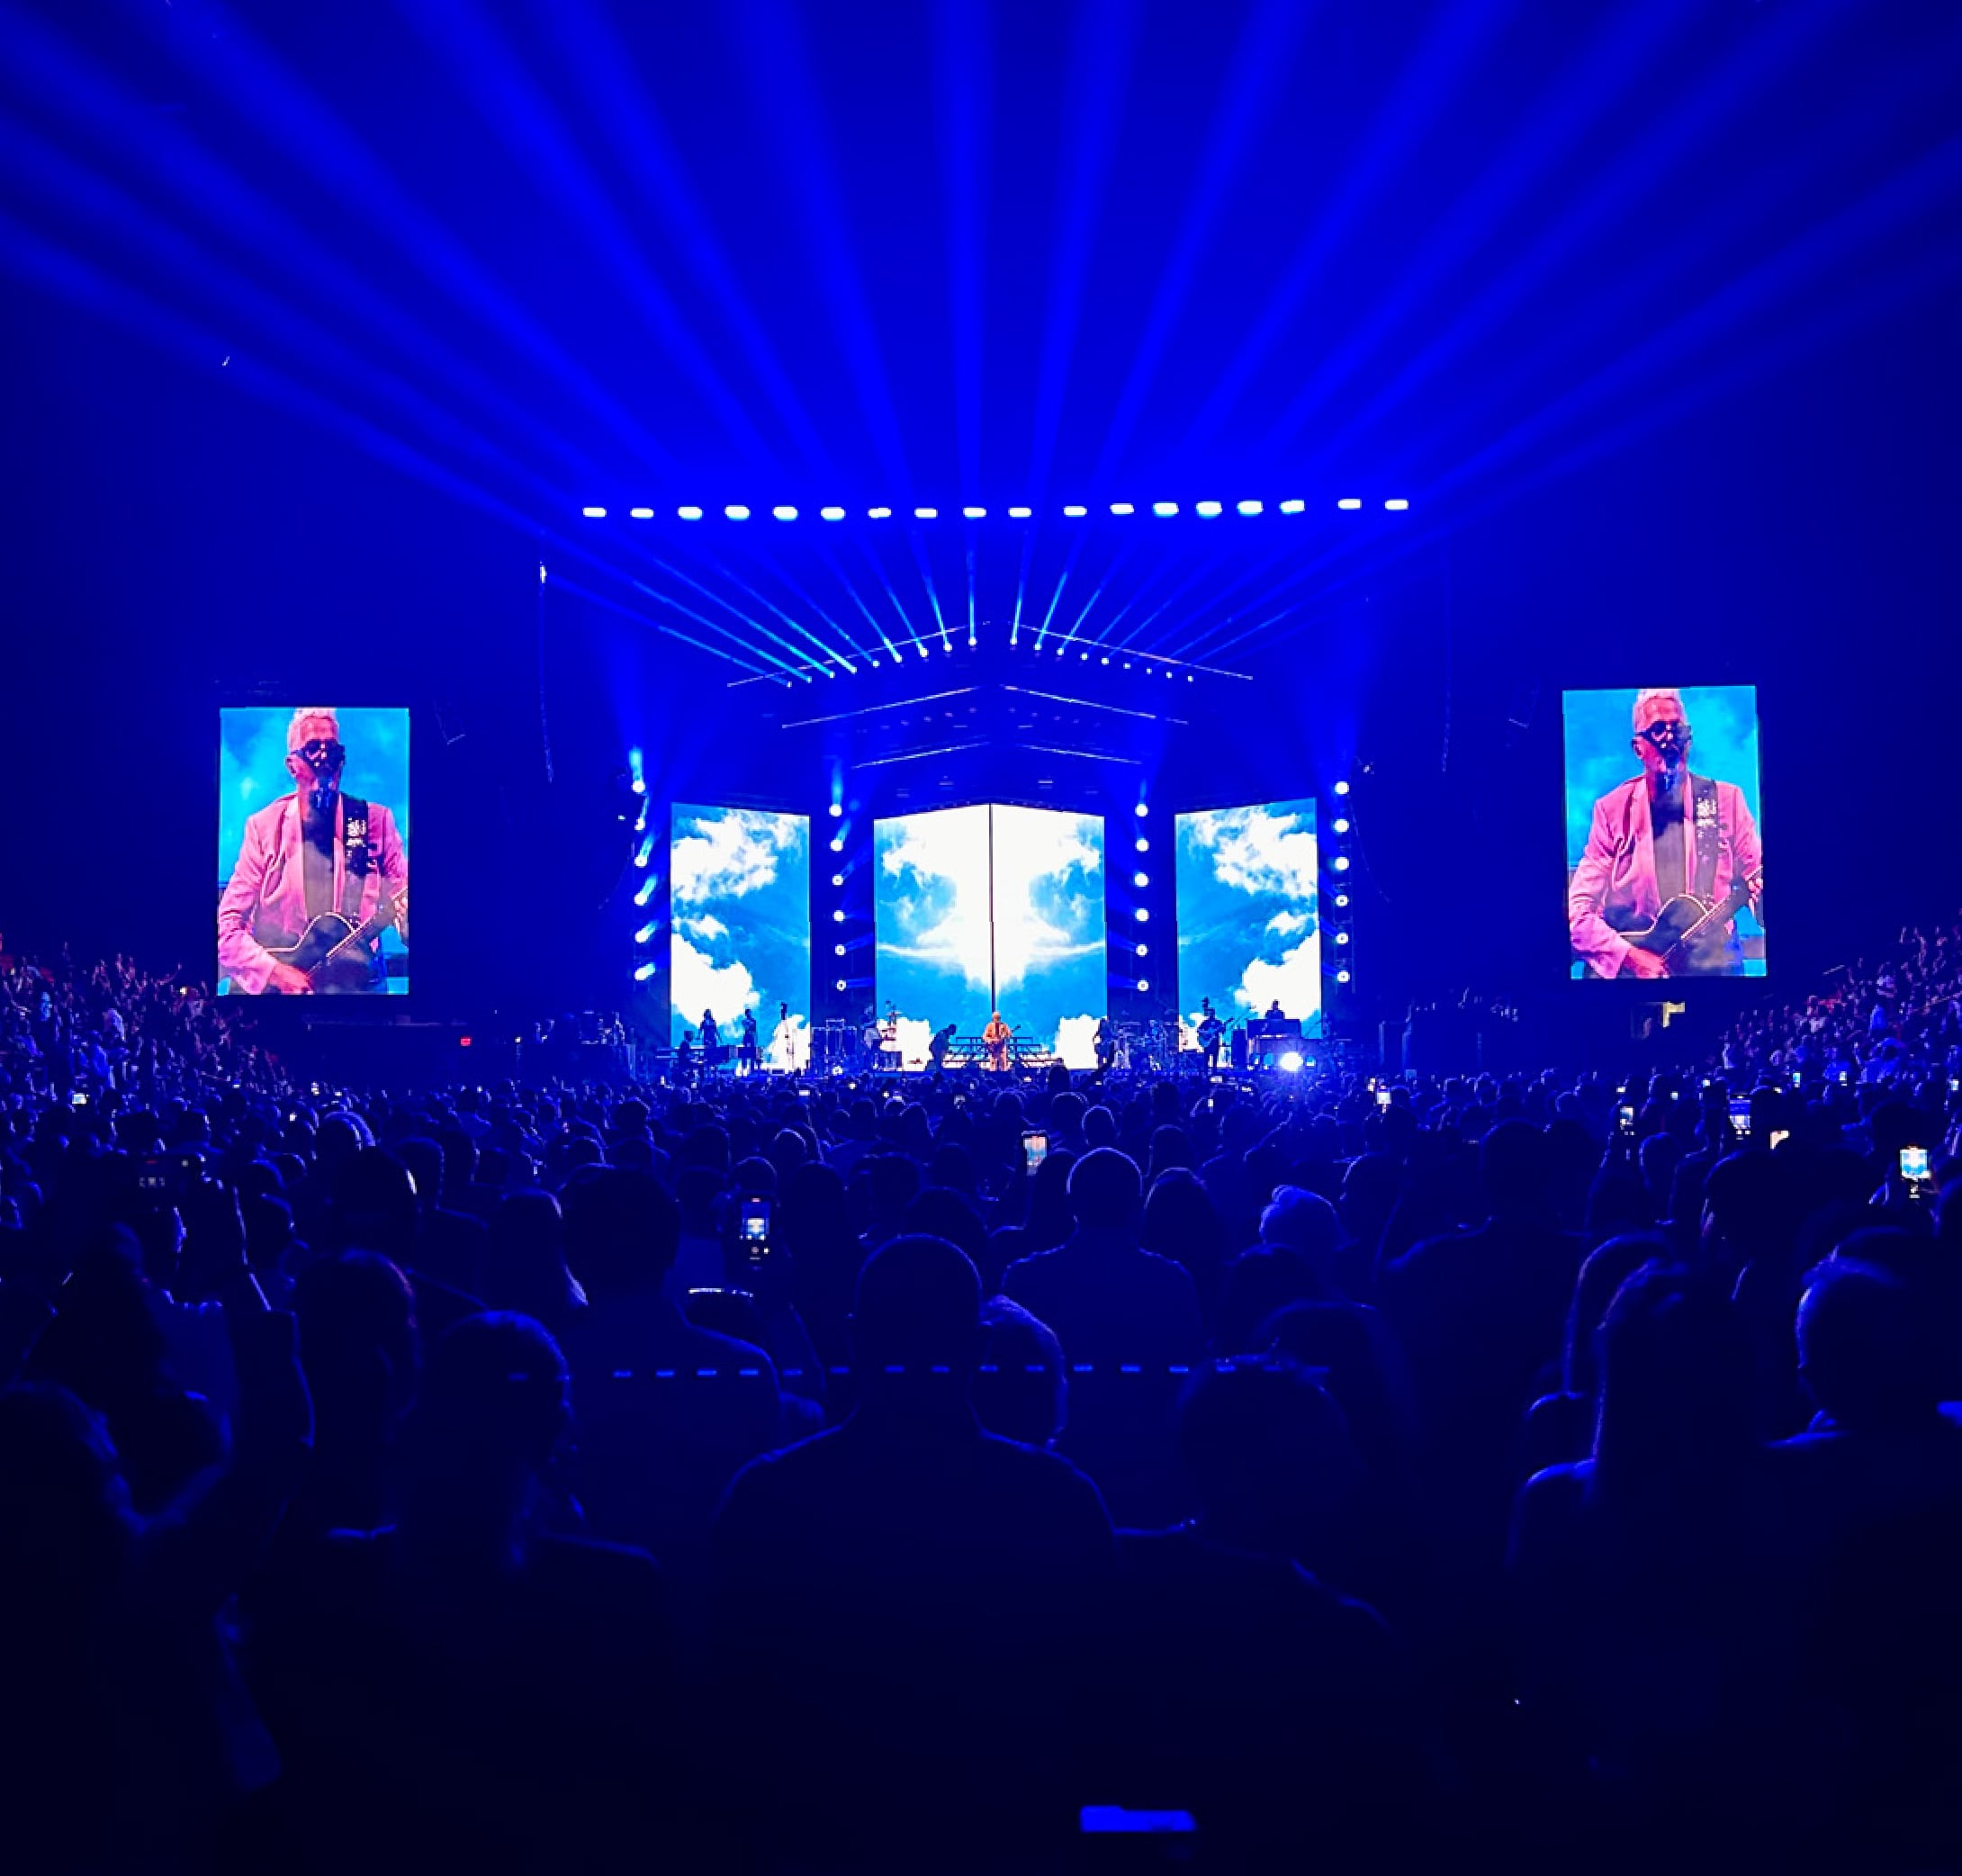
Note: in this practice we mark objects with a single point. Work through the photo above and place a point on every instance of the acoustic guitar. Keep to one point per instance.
(333, 951)
(1687, 934)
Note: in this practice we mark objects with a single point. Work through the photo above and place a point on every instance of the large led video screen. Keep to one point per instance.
(1249, 923)
(312, 851)
(739, 907)
(1664, 864)
(987, 908)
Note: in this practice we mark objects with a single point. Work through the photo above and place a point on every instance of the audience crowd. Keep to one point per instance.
(1556, 1470)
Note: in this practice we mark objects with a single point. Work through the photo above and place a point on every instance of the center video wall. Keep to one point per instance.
(738, 902)
(991, 907)
(1249, 926)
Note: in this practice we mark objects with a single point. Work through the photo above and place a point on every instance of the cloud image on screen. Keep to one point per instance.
(262, 907)
(1248, 923)
(1601, 765)
(738, 902)
(979, 908)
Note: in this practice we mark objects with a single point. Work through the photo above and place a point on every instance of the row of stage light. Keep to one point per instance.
(1073, 512)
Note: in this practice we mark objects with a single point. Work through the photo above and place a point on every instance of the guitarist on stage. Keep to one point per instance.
(311, 854)
(1667, 834)
(995, 1039)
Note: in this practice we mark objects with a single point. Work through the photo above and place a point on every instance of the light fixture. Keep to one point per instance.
(975, 514)
(1341, 826)
(837, 809)
(1249, 507)
(736, 511)
(642, 514)
(1342, 863)
(1165, 508)
(838, 844)
(1144, 845)
(1144, 983)
(1074, 512)
(926, 514)
(1291, 1063)
(1342, 937)
(1140, 880)
(1144, 951)
(1342, 900)
(840, 984)
(689, 512)
(1123, 508)
(645, 933)
(838, 917)
(784, 512)
(1396, 504)
(1020, 514)
(1144, 807)
(642, 972)
(646, 891)
(838, 950)
(1294, 508)
(837, 878)
(1207, 508)
(1342, 977)
(594, 514)
(1350, 501)
(1342, 788)
(833, 514)
(1142, 916)
(880, 514)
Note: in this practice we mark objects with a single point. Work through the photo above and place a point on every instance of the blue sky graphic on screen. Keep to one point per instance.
(1040, 958)
(1250, 925)
(738, 900)
(1723, 746)
(252, 775)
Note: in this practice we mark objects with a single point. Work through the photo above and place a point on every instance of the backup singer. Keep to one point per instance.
(1665, 834)
(310, 854)
(994, 1039)
(746, 1051)
(1106, 1043)
(1210, 1031)
(711, 1039)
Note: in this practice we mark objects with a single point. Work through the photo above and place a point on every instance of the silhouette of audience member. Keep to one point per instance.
(522, 1265)
(1281, 1713)
(1106, 1299)
(1021, 1387)
(464, 1688)
(891, 1592)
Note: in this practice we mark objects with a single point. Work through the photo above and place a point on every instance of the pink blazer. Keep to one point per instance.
(265, 902)
(1615, 883)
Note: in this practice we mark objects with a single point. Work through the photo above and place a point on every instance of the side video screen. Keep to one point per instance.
(313, 851)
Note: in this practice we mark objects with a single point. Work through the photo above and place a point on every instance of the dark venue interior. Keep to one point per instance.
(988, 1219)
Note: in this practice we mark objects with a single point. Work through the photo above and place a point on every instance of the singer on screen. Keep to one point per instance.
(320, 876)
(1671, 857)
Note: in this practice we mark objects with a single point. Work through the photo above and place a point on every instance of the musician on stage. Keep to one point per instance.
(1275, 1014)
(309, 854)
(942, 1041)
(1106, 1044)
(711, 1040)
(784, 1047)
(684, 1056)
(1212, 1032)
(1665, 832)
(746, 1049)
(994, 1039)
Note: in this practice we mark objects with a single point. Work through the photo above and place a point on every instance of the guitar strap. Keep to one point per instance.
(360, 855)
(1703, 798)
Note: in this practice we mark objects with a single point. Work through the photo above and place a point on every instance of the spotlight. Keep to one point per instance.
(1342, 901)
(1342, 863)
(838, 950)
(837, 878)
(1144, 951)
(879, 514)
(642, 972)
(785, 512)
(646, 891)
(926, 514)
(1350, 501)
(1341, 826)
(1143, 809)
(975, 514)
(1103, 661)
(1074, 512)
(1117, 507)
(1342, 788)
(837, 810)
(639, 785)
(1207, 508)
(1342, 977)
(1294, 508)
(1342, 937)
(690, 513)
(1144, 845)
(1291, 1063)
(642, 514)
(640, 859)
(736, 511)
(645, 933)
(838, 844)
(1020, 514)
(833, 514)
(1247, 507)
(1140, 880)
(1165, 508)
(594, 514)
(1142, 916)
(840, 984)
(838, 917)
(1396, 504)
(1144, 983)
